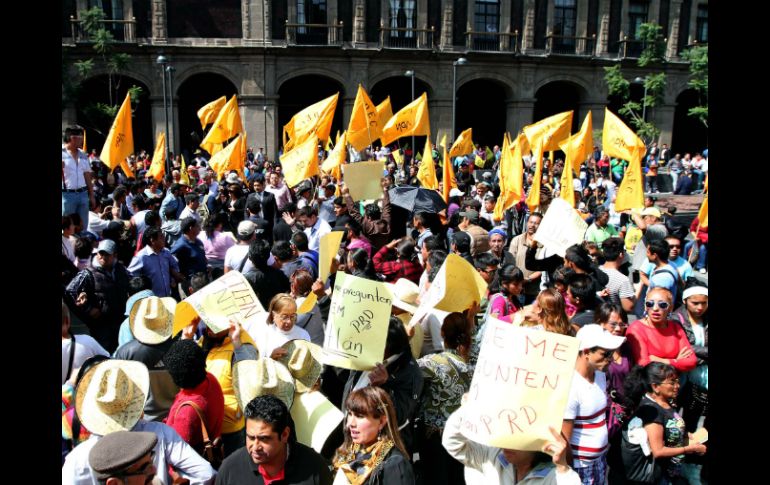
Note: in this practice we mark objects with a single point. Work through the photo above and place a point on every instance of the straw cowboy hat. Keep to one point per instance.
(417, 339)
(152, 319)
(405, 294)
(252, 378)
(303, 359)
(110, 397)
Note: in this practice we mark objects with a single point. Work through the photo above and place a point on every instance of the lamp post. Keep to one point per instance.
(267, 148)
(162, 61)
(410, 73)
(171, 140)
(643, 82)
(459, 62)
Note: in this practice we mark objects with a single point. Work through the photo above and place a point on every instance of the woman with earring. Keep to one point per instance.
(652, 389)
(372, 452)
(655, 338)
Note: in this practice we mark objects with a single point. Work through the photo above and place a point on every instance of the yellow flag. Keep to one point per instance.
(364, 126)
(127, 169)
(411, 120)
(316, 120)
(427, 172)
(533, 198)
(463, 144)
(397, 157)
(703, 213)
(120, 140)
(158, 166)
(580, 144)
(449, 181)
(184, 178)
(553, 129)
(301, 162)
(85, 147)
(384, 113)
(618, 140)
(333, 164)
(227, 125)
(479, 162)
(511, 173)
(706, 184)
(565, 183)
(229, 158)
(208, 113)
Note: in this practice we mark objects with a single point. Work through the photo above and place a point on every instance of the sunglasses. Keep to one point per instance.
(663, 305)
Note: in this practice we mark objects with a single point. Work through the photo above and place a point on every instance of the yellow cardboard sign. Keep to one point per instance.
(229, 296)
(329, 245)
(315, 417)
(358, 323)
(520, 386)
(456, 286)
(561, 227)
(363, 179)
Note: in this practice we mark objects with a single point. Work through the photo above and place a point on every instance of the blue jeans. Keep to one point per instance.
(702, 253)
(674, 178)
(75, 202)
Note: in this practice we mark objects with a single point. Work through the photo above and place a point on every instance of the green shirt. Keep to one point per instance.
(600, 234)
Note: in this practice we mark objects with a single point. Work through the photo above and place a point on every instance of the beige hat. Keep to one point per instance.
(405, 293)
(416, 340)
(252, 378)
(303, 359)
(110, 396)
(152, 319)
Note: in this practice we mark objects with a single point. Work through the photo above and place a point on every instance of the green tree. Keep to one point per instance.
(699, 80)
(654, 83)
(99, 115)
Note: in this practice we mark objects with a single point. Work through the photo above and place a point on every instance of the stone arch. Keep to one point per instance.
(185, 73)
(578, 81)
(420, 77)
(191, 93)
(555, 97)
(312, 71)
(306, 87)
(499, 79)
(490, 94)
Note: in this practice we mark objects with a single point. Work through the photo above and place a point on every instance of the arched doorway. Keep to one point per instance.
(399, 88)
(195, 92)
(300, 92)
(557, 97)
(689, 134)
(95, 91)
(481, 106)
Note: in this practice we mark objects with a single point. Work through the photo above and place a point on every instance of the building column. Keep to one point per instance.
(359, 24)
(505, 26)
(158, 118)
(549, 15)
(663, 118)
(256, 21)
(596, 107)
(581, 29)
(692, 34)
(440, 109)
(528, 42)
(447, 28)
(673, 30)
(159, 24)
(604, 29)
(653, 13)
(520, 113)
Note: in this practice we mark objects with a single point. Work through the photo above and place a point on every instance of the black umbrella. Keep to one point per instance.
(417, 199)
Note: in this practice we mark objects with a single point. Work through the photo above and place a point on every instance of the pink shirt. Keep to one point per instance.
(361, 243)
(217, 246)
(281, 193)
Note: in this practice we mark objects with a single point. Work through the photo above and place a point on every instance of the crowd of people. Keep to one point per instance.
(142, 404)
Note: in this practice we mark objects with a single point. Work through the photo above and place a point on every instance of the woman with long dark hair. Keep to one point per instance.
(504, 304)
(405, 264)
(360, 265)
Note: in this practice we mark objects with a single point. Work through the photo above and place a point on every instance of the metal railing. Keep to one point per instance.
(121, 30)
(402, 38)
(570, 45)
(492, 41)
(314, 34)
(630, 48)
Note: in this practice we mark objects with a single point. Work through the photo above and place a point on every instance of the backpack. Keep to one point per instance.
(678, 284)
(203, 210)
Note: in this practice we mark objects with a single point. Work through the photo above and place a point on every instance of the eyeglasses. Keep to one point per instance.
(144, 469)
(285, 318)
(617, 324)
(663, 305)
(674, 246)
(675, 382)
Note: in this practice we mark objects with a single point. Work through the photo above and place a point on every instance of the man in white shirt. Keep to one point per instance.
(77, 189)
(585, 424)
(315, 227)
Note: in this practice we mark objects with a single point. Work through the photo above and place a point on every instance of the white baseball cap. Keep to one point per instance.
(593, 335)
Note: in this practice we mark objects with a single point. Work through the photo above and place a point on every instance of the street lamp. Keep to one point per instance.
(643, 82)
(267, 148)
(171, 141)
(459, 62)
(162, 61)
(410, 73)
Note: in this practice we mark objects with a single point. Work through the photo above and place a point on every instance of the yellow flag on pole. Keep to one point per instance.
(411, 120)
(427, 172)
(301, 162)
(127, 169)
(397, 157)
(226, 125)
(449, 182)
(184, 178)
(229, 158)
(703, 213)
(580, 144)
(384, 113)
(158, 166)
(364, 126)
(85, 147)
(120, 140)
(208, 113)
(553, 129)
(463, 144)
(333, 164)
(316, 120)
(511, 174)
(618, 140)
(533, 198)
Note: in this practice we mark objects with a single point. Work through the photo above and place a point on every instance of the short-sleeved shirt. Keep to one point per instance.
(674, 432)
(587, 406)
(600, 234)
(618, 286)
(75, 170)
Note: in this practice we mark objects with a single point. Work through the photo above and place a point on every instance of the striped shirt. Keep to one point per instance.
(587, 407)
(618, 286)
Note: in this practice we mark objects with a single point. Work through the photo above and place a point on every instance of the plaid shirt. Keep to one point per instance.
(395, 269)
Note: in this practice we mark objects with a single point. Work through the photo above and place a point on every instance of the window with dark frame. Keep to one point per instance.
(486, 18)
(637, 15)
(402, 16)
(564, 26)
(311, 12)
(702, 24)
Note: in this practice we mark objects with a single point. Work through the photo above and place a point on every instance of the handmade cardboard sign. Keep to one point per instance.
(363, 179)
(561, 227)
(229, 296)
(358, 323)
(329, 245)
(315, 417)
(520, 386)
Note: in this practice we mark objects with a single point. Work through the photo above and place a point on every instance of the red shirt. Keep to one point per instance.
(208, 396)
(268, 480)
(664, 343)
(393, 270)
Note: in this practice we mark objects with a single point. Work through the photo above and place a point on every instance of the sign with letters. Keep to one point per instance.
(358, 323)
(520, 386)
(561, 227)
